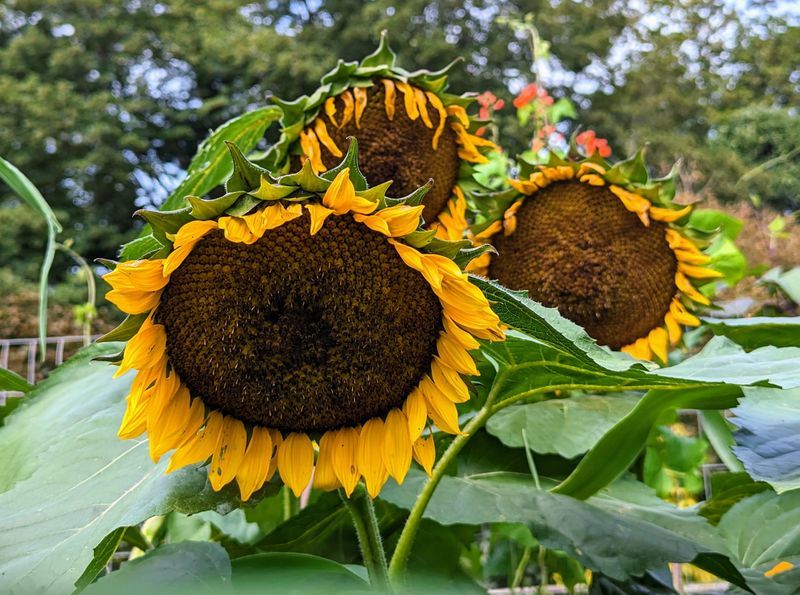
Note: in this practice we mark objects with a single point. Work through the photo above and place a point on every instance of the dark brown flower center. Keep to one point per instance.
(300, 332)
(577, 248)
(399, 149)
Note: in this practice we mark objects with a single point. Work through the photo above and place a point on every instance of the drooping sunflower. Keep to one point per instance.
(605, 245)
(296, 324)
(408, 128)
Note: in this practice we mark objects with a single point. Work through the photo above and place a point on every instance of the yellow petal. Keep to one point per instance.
(682, 315)
(466, 340)
(417, 261)
(388, 101)
(360, 94)
(145, 349)
(440, 409)
(330, 109)
(252, 472)
(633, 202)
(325, 139)
(345, 458)
(191, 232)
(692, 257)
(782, 566)
(416, 412)
(409, 100)
(689, 290)
(318, 215)
(395, 221)
(349, 107)
(640, 349)
(523, 186)
(341, 196)
(673, 328)
(449, 382)
(134, 302)
(439, 107)
(324, 474)
(419, 96)
(295, 462)
(559, 172)
(199, 447)
(657, 339)
(138, 275)
(459, 113)
(172, 425)
(425, 453)
(455, 356)
(236, 230)
(277, 440)
(668, 215)
(396, 445)
(134, 422)
(593, 180)
(227, 457)
(370, 458)
(588, 167)
(276, 215)
(697, 272)
(309, 143)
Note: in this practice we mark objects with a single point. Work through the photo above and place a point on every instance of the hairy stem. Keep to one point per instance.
(397, 565)
(362, 512)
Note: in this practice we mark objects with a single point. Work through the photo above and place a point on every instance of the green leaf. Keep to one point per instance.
(350, 160)
(102, 554)
(184, 568)
(630, 170)
(14, 382)
(764, 529)
(567, 427)
(727, 259)
(768, 436)
(726, 490)
(758, 331)
(306, 179)
(30, 195)
(722, 360)
(720, 436)
(129, 327)
(622, 532)
(288, 573)
(210, 166)
(711, 221)
(140, 248)
(381, 57)
(246, 175)
(68, 481)
(788, 282)
(208, 209)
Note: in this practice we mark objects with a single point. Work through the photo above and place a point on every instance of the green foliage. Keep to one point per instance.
(672, 464)
(69, 481)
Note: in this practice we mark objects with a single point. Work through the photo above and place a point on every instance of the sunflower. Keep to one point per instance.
(408, 128)
(296, 324)
(605, 245)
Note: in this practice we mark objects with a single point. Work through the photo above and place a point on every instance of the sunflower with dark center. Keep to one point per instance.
(295, 328)
(408, 129)
(582, 237)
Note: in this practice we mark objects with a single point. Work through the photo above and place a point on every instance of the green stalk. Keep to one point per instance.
(397, 566)
(361, 510)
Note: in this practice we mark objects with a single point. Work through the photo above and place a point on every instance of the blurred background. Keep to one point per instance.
(103, 103)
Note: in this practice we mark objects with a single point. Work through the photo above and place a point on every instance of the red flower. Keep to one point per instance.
(527, 95)
(488, 101)
(592, 143)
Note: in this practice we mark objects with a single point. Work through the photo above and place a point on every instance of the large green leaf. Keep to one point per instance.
(211, 164)
(24, 188)
(288, 573)
(624, 531)
(758, 331)
(761, 531)
(14, 382)
(788, 282)
(567, 427)
(186, 568)
(67, 481)
(768, 438)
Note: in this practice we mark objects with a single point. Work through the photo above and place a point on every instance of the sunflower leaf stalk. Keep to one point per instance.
(362, 512)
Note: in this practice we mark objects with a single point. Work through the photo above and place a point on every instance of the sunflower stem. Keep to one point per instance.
(361, 510)
(397, 566)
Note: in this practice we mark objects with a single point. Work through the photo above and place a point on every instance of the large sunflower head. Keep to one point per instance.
(408, 128)
(298, 323)
(605, 245)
